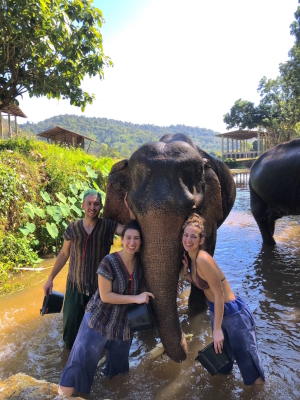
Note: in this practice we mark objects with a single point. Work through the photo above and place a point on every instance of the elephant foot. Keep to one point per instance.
(269, 242)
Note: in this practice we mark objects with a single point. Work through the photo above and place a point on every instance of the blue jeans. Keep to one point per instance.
(86, 352)
(240, 342)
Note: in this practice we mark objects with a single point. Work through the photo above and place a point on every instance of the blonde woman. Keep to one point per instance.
(231, 319)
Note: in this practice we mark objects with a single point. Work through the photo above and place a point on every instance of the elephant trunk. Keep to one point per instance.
(161, 258)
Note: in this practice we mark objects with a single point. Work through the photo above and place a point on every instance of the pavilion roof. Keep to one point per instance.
(13, 110)
(51, 133)
(241, 134)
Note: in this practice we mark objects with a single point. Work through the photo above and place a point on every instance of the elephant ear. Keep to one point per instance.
(212, 209)
(118, 183)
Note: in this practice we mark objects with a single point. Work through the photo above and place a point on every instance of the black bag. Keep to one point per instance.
(52, 303)
(139, 317)
(212, 361)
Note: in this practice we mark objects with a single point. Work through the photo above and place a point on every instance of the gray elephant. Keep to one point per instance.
(166, 181)
(275, 187)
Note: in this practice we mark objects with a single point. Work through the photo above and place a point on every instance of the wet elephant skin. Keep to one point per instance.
(166, 181)
(275, 187)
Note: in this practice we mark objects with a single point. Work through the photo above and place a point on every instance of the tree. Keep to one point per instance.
(47, 47)
(279, 109)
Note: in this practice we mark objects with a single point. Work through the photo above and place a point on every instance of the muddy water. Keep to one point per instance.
(267, 278)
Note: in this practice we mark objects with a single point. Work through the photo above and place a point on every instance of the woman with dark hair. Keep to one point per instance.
(231, 319)
(105, 324)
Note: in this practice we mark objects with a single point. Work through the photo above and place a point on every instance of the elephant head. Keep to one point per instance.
(166, 181)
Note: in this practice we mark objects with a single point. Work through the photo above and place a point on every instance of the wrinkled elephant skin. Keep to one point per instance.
(166, 181)
(275, 187)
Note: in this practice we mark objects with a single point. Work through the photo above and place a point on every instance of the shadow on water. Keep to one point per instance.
(267, 278)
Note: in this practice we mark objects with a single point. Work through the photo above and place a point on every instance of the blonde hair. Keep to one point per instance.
(196, 221)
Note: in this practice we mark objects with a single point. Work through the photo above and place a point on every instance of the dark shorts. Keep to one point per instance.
(240, 341)
(83, 360)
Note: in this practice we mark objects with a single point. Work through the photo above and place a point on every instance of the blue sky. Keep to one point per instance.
(181, 62)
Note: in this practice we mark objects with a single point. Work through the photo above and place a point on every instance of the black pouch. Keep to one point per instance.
(52, 303)
(212, 361)
(139, 317)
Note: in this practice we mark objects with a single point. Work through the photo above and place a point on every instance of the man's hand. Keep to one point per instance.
(131, 213)
(48, 286)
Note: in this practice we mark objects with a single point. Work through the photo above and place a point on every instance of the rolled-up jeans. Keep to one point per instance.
(86, 352)
(240, 341)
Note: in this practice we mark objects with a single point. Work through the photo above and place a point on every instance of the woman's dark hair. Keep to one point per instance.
(197, 221)
(132, 224)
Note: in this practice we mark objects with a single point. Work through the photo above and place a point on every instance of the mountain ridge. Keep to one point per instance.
(125, 137)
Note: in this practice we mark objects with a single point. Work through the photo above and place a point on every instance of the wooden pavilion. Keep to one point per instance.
(10, 109)
(237, 144)
(59, 135)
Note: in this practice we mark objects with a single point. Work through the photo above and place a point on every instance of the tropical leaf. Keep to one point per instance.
(91, 172)
(52, 230)
(65, 209)
(74, 189)
(72, 200)
(45, 197)
(28, 228)
(77, 210)
(39, 212)
(29, 209)
(61, 197)
(57, 218)
(31, 227)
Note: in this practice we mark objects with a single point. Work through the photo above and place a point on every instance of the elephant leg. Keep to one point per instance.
(264, 220)
(197, 300)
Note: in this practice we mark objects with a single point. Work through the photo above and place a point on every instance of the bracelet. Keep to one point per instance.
(186, 274)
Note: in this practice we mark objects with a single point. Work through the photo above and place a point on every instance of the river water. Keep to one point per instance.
(267, 278)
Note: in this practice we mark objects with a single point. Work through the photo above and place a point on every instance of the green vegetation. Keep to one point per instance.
(47, 47)
(40, 192)
(279, 109)
(123, 137)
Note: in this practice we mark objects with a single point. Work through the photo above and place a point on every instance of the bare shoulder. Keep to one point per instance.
(205, 261)
(204, 257)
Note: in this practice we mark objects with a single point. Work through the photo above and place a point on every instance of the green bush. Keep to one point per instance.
(29, 170)
(231, 163)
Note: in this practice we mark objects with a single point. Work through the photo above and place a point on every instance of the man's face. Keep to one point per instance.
(91, 206)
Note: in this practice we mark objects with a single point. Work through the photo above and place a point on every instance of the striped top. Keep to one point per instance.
(111, 319)
(87, 250)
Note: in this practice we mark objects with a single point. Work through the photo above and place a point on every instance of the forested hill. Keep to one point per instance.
(125, 137)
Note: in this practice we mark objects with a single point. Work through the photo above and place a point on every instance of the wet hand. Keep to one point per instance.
(48, 287)
(185, 264)
(144, 297)
(218, 338)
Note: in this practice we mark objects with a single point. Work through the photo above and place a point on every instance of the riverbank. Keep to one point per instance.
(40, 186)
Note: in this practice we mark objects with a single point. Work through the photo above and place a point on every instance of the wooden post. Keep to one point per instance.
(227, 147)
(16, 125)
(9, 131)
(1, 125)
(222, 147)
(91, 142)
(232, 146)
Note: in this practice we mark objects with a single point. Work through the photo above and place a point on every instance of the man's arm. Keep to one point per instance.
(61, 260)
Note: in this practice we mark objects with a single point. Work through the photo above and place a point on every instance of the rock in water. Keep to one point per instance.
(24, 387)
